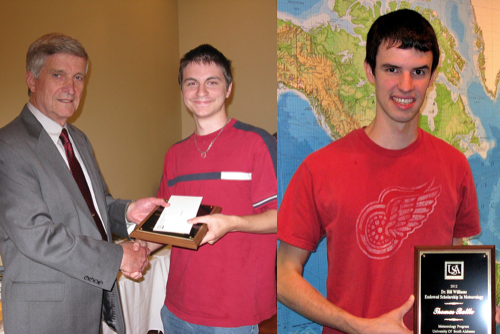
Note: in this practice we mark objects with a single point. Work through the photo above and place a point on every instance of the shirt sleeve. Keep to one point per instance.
(467, 223)
(298, 220)
(163, 191)
(264, 183)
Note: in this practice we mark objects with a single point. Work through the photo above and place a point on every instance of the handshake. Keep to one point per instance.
(135, 254)
(135, 258)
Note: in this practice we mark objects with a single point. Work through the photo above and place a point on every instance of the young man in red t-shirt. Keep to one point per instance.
(229, 284)
(375, 194)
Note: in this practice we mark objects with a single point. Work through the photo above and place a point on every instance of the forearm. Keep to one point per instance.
(265, 222)
(219, 225)
(297, 294)
(153, 246)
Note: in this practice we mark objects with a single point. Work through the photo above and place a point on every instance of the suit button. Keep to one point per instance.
(86, 278)
(99, 282)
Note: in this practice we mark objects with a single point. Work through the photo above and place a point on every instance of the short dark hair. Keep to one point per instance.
(405, 29)
(207, 54)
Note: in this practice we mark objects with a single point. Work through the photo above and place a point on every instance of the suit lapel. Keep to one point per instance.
(51, 157)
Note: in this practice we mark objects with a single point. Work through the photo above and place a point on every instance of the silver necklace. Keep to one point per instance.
(204, 153)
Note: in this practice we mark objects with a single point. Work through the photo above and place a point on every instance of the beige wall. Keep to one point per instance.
(131, 109)
(245, 31)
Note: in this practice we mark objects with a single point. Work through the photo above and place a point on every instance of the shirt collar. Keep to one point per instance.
(53, 128)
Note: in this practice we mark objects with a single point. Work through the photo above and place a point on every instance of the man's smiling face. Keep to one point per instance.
(58, 89)
(401, 79)
(205, 90)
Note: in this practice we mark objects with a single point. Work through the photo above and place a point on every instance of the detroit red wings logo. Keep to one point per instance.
(382, 226)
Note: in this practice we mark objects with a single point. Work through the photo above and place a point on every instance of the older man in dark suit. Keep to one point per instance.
(56, 215)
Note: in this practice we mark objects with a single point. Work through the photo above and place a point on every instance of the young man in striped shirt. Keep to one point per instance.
(228, 285)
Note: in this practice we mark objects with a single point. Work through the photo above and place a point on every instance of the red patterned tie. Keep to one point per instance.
(77, 172)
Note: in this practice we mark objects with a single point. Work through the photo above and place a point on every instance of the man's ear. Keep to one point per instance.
(30, 81)
(433, 76)
(228, 92)
(369, 73)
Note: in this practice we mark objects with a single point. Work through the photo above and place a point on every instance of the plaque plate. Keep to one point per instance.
(454, 289)
(192, 240)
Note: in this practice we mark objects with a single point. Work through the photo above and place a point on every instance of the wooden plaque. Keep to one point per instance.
(192, 240)
(454, 289)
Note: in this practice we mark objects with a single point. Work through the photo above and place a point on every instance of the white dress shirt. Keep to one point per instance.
(54, 130)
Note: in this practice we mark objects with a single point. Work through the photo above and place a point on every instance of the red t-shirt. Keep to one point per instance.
(231, 283)
(375, 205)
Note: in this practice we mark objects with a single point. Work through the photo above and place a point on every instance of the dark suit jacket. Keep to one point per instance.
(56, 265)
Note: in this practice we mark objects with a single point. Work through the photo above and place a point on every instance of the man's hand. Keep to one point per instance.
(135, 258)
(497, 315)
(140, 209)
(218, 226)
(138, 243)
(389, 323)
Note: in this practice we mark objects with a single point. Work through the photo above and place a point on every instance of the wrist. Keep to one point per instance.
(237, 224)
(350, 323)
(129, 208)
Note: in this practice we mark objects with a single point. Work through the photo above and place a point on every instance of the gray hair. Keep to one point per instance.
(50, 44)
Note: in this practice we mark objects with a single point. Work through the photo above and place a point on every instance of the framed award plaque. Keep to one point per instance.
(191, 240)
(454, 289)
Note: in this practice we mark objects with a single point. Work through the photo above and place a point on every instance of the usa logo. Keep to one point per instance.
(453, 270)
